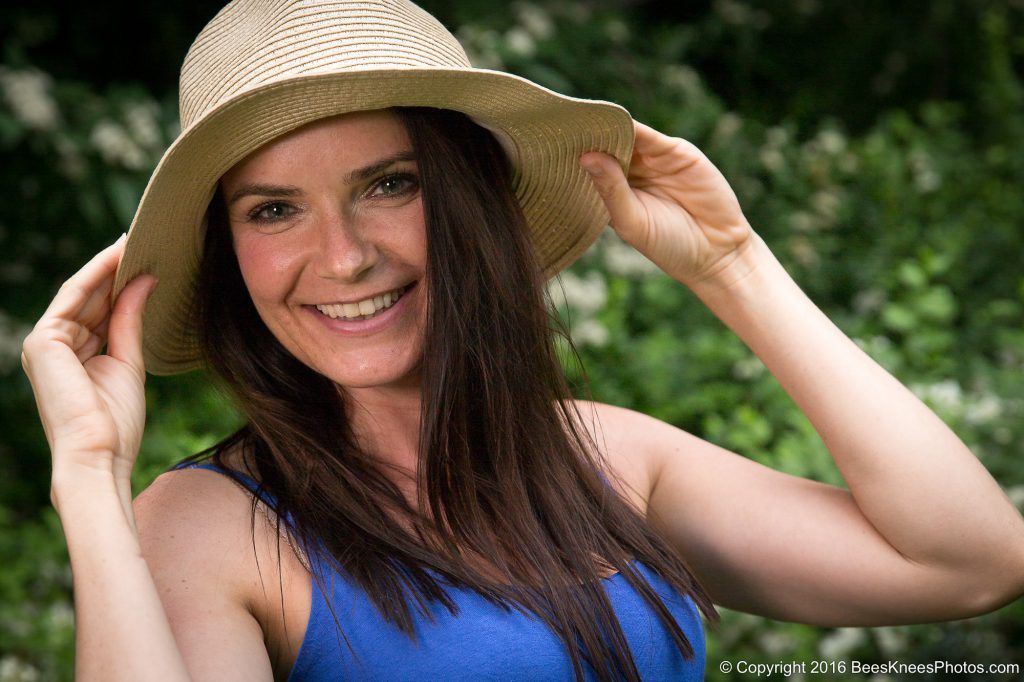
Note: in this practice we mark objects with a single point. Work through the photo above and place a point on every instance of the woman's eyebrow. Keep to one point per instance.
(358, 175)
(372, 169)
(259, 189)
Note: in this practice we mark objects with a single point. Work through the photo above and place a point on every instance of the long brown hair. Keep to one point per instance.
(508, 471)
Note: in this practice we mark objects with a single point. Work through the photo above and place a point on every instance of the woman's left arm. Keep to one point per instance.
(909, 476)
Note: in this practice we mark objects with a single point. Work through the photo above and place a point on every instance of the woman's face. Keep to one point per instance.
(327, 223)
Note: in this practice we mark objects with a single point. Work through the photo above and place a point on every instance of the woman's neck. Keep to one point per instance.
(386, 422)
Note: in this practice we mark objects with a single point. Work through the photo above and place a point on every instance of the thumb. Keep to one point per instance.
(624, 208)
(124, 340)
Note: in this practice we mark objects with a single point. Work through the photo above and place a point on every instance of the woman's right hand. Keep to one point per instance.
(92, 406)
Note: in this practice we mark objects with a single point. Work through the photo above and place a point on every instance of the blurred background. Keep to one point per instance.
(877, 147)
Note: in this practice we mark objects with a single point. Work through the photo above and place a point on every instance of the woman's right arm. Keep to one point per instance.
(92, 408)
(121, 629)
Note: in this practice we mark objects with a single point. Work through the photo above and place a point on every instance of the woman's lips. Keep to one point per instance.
(370, 325)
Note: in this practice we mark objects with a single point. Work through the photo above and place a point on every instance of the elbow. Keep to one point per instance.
(995, 590)
(987, 601)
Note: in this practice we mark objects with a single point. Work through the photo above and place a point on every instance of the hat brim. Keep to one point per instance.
(543, 133)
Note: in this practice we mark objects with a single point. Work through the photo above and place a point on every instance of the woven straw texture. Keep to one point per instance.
(261, 69)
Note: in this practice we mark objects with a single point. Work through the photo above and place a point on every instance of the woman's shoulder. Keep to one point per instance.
(195, 512)
(629, 465)
(201, 540)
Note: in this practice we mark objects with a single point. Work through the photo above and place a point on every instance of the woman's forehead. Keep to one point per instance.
(346, 139)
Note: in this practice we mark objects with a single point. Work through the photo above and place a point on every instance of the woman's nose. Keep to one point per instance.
(344, 251)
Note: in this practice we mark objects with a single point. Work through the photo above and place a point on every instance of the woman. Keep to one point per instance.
(370, 289)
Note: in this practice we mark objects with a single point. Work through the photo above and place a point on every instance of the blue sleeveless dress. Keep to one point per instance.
(484, 642)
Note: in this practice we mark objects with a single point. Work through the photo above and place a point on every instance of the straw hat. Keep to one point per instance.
(262, 68)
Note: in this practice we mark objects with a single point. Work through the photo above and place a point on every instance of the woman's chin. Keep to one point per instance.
(369, 377)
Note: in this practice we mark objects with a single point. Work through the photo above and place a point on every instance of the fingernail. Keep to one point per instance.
(121, 238)
(593, 169)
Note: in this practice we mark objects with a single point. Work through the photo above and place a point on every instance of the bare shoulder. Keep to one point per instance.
(197, 514)
(623, 435)
(213, 573)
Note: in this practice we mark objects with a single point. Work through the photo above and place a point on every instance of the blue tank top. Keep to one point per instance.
(484, 641)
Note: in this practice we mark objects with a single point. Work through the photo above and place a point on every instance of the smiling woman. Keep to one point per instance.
(353, 234)
(413, 431)
(323, 221)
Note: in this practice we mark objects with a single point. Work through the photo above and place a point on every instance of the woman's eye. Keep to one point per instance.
(394, 185)
(271, 212)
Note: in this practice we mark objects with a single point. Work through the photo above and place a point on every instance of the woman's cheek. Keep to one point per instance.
(266, 265)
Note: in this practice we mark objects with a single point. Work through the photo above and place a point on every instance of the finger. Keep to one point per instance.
(656, 154)
(81, 289)
(647, 140)
(95, 310)
(97, 339)
(124, 340)
(696, 182)
(625, 210)
(55, 373)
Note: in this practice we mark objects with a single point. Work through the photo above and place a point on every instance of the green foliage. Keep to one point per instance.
(905, 232)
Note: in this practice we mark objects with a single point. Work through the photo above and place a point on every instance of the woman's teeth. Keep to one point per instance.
(363, 309)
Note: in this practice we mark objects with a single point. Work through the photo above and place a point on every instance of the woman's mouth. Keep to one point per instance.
(363, 310)
(363, 317)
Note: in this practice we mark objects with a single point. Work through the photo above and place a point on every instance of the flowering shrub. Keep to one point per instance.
(906, 232)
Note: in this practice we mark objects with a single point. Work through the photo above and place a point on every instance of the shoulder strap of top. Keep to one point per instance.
(245, 480)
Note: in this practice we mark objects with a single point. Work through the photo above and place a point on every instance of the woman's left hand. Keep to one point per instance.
(674, 207)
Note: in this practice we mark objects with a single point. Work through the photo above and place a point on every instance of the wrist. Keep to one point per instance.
(72, 484)
(748, 272)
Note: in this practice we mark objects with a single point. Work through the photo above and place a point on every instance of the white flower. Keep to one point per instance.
(926, 178)
(777, 642)
(838, 645)
(141, 120)
(520, 42)
(748, 367)
(826, 204)
(13, 669)
(802, 221)
(116, 146)
(881, 343)
(944, 395)
(61, 616)
(831, 141)
(590, 332)
(869, 301)
(772, 159)
(586, 294)
(29, 97)
(802, 249)
(481, 46)
(776, 136)
(728, 125)
(682, 78)
(622, 259)
(892, 641)
(616, 30)
(983, 410)
(535, 20)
